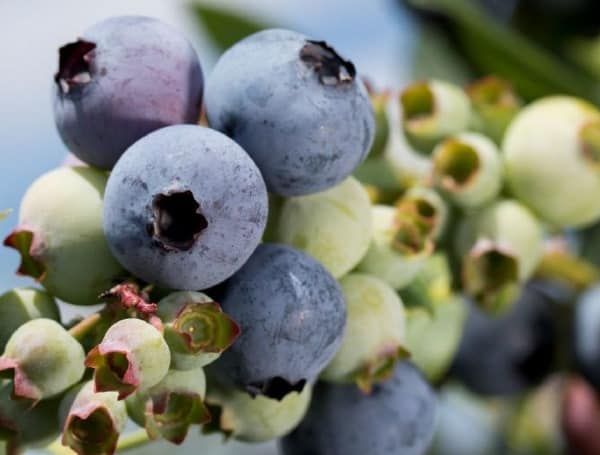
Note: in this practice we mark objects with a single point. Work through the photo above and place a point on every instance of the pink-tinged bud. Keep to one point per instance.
(43, 359)
(169, 408)
(93, 421)
(132, 355)
(196, 329)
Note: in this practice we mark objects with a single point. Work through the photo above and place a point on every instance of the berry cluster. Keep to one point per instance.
(252, 285)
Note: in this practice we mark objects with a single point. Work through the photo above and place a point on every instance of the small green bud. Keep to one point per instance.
(500, 246)
(333, 226)
(92, 420)
(169, 408)
(43, 359)
(398, 249)
(195, 328)
(133, 355)
(23, 425)
(375, 331)
(433, 110)
(258, 419)
(467, 168)
(433, 335)
(495, 104)
(552, 160)
(20, 305)
(67, 254)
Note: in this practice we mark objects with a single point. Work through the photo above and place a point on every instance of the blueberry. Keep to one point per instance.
(510, 353)
(587, 335)
(295, 106)
(292, 316)
(398, 417)
(184, 208)
(126, 76)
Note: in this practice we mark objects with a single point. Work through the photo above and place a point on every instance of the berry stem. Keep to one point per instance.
(83, 327)
(567, 268)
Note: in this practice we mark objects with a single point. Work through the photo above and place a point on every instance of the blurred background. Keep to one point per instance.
(540, 46)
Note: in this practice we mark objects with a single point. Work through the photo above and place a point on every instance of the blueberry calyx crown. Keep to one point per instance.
(177, 220)
(331, 68)
(74, 65)
(276, 388)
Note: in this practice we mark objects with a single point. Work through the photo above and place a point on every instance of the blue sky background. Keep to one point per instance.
(375, 34)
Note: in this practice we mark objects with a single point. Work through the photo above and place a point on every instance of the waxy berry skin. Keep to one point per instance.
(398, 417)
(126, 77)
(292, 317)
(184, 208)
(295, 106)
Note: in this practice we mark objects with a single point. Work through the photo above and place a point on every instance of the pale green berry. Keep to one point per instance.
(398, 249)
(433, 110)
(168, 409)
(20, 305)
(133, 355)
(495, 104)
(432, 285)
(60, 235)
(239, 415)
(92, 421)
(427, 208)
(22, 425)
(468, 169)
(333, 226)
(433, 335)
(379, 101)
(195, 328)
(375, 332)
(500, 247)
(44, 359)
(552, 160)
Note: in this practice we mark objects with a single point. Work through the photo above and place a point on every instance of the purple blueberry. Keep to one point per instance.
(124, 78)
(398, 417)
(296, 106)
(184, 208)
(510, 353)
(292, 316)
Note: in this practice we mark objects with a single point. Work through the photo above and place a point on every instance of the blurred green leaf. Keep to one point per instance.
(225, 27)
(495, 48)
(4, 214)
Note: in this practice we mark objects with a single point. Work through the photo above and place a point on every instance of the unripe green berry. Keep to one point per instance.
(195, 328)
(43, 358)
(432, 285)
(60, 235)
(169, 408)
(398, 249)
(92, 420)
(467, 168)
(552, 160)
(379, 101)
(433, 110)
(23, 425)
(333, 226)
(133, 355)
(20, 305)
(375, 332)
(257, 419)
(500, 246)
(427, 209)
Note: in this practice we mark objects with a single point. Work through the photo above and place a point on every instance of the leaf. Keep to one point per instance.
(224, 27)
(4, 214)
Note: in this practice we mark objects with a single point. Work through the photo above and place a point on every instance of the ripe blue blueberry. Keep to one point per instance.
(398, 417)
(126, 76)
(184, 208)
(586, 334)
(509, 353)
(292, 317)
(295, 106)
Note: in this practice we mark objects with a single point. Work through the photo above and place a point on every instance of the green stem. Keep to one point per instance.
(568, 269)
(83, 327)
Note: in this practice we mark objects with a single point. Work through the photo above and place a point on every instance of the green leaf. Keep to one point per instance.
(4, 214)
(224, 27)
